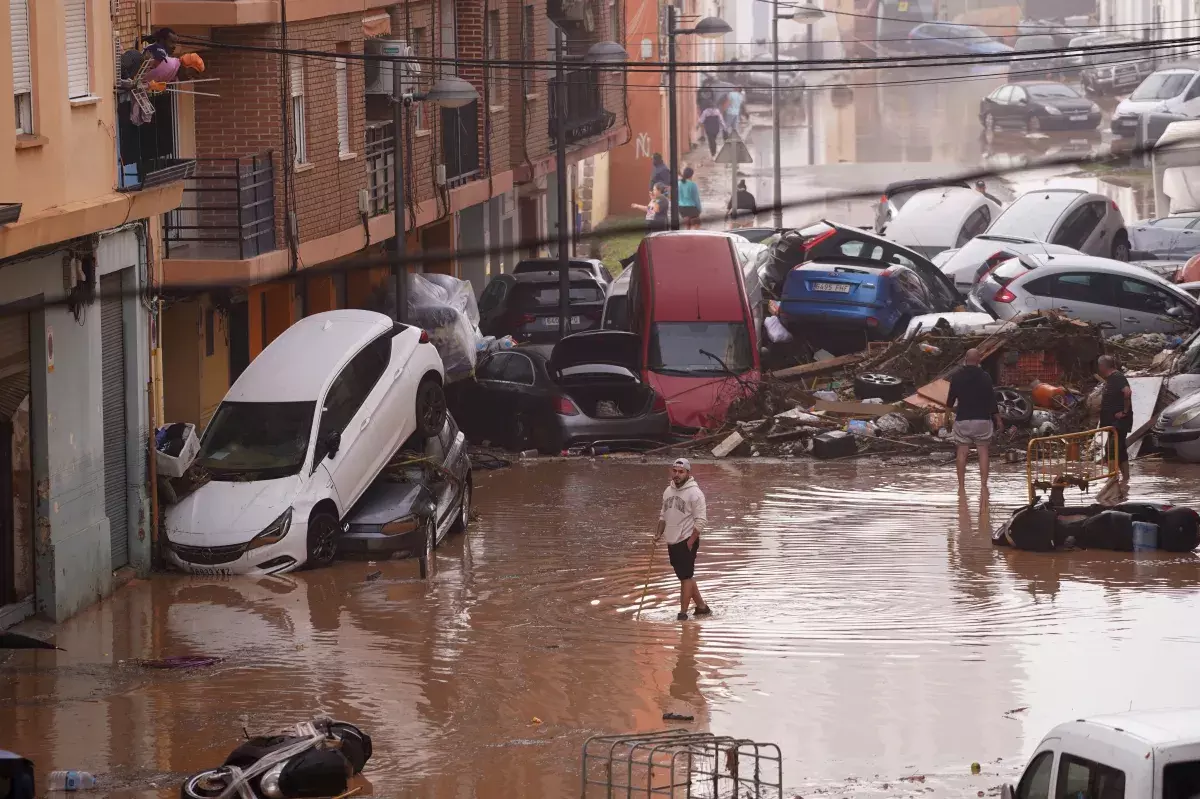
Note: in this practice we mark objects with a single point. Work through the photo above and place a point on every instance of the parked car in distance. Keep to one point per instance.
(1175, 237)
(597, 268)
(1034, 107)
(1089, 223)
(1046, 64)
(424, 500)
(966, 265)
(1114, 72)
(588, 389)
(1173, 89)
(895, 195)
(1124, 298)
(934, 220)
(691, 306)
(952, 39)
(1177, 428)
(291, 448)
(840, 302)
(616, 302)
(526, 305)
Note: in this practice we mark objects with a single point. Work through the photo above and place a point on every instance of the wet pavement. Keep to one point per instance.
(862, 621)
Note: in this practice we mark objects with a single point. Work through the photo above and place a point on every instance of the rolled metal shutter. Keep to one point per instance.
(76, 49)
(112, 386)
(14, 362)
(18, 14)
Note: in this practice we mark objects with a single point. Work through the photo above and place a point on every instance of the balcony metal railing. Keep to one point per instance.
(228, 210)
(380, 151)
(586, 115)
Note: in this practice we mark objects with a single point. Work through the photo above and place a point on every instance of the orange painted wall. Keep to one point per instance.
(280, 312)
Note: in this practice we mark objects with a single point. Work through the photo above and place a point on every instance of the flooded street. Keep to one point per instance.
(862, 621)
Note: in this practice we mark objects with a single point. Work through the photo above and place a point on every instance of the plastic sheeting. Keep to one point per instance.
(445, 308)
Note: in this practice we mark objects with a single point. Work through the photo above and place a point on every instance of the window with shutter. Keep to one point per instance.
(449, 35)
(78, 63)
(299, 142)
(18, 16)
(342, 86)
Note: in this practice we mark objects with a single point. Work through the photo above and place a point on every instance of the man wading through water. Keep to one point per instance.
(1116, 410)
(973, 400)
(681, 519)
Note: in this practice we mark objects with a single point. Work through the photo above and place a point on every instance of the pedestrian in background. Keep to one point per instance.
(688, 197)
(712, 123)
(733, 110)
(972, 397)
(658, 209)
(659, 171)
(742, 208)
(683, 516)
(1116, 409)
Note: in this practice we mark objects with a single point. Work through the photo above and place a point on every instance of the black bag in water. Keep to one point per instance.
(315, 773)
(1111, 529)
(1179, 530)
(1033, 528)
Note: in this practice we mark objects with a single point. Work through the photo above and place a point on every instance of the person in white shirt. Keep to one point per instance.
(681, 519)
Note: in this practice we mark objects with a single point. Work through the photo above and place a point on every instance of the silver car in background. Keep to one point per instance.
(1084, 221)
(1177, 428)
(966, 265)
(1123, 298)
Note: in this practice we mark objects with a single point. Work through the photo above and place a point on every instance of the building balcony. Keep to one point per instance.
(586, 114)
(227, 213)
(226, 13)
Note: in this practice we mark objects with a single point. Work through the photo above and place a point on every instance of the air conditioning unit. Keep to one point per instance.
(378, 74)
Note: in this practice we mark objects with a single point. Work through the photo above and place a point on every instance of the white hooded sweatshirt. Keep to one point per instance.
(683, 510)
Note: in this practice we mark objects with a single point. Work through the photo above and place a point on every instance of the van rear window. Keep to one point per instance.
(527, 296)
(1181, 780)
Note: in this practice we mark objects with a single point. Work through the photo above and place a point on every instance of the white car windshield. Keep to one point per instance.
(1163, 86)
(257, 440)
(688, 348)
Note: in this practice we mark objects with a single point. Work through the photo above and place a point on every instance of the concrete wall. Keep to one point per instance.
(73, 562)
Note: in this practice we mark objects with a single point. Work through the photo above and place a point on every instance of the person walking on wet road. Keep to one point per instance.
(659, 171)
(976, 417)
(688, 197)
(680, 522)
(1116, 409)
(713, 123)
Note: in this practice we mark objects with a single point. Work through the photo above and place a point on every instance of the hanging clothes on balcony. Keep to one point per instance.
(157, 69)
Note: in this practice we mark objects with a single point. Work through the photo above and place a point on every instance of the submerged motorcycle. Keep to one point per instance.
(313, 759)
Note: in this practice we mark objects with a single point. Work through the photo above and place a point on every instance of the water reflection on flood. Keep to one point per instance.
(863, 622)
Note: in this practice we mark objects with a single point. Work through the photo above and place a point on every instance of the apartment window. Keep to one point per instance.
(419, 43)
(342, 87)
(299, 141)
(494, 50)
(75, 24)
(18, 17)
(614, 18)
(527, 35)
(448, 31)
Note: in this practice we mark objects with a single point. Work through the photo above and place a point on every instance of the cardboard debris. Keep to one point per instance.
(931, 395)
(820, 367)
(1145, 402)
(732, 442)
(870, 409)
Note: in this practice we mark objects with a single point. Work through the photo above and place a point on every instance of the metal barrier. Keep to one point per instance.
(1078, 459)
(228, 210)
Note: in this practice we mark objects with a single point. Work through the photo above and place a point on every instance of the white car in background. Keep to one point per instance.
(1084, 221)
(935, 220)
(299, 437)
(967, 264)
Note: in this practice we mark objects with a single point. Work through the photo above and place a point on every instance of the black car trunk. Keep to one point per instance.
(609, 399)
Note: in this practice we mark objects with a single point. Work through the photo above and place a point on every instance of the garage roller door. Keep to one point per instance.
(112, 384)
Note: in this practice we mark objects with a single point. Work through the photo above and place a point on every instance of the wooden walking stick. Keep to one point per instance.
(646, 582)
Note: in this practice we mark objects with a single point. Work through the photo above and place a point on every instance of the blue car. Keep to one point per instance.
(839, 302)
(951, 39)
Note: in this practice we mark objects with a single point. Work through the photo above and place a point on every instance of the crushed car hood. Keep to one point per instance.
(700, 402)
(610, 347)
(223, 513)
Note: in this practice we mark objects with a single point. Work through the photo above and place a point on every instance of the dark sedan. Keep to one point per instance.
(526, 305)
(1034, 107)
(1169, 238)
(587, 391)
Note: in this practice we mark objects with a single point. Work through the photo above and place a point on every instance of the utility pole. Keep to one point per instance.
(399, 292)
(776, 146)
(808, 105)
(564, 233)
(672, 118)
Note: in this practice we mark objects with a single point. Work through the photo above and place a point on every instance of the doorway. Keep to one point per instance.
(239, 337)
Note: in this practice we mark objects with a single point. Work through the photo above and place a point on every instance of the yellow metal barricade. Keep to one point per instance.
(1078, 459)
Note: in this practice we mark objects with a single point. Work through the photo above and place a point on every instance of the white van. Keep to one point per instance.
(1171, 90)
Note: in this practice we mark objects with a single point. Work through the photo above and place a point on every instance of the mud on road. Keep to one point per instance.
(862, 621)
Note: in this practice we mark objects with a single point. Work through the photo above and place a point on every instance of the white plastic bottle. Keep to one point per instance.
(71, 781)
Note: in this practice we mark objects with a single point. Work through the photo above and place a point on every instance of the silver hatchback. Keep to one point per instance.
(1081, 220)
(1123, 298)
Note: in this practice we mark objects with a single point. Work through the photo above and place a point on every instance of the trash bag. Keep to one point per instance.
(1179, 530)
(442, 306)
(1033, 528)
(893, 423)
(1111, 529)
(17, 773)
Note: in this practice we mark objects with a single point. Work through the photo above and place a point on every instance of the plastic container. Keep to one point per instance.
(1145, 536)
(834, 444)
(71, 781)
(1048, 396)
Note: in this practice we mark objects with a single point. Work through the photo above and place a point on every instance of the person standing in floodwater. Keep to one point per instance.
(684, 514)
(1116, 409)
(973, 400)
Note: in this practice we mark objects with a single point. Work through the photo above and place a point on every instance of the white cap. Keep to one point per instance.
(683, 463)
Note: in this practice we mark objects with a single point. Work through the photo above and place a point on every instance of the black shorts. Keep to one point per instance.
(683, 558)
(1119, 442)
(689, 212)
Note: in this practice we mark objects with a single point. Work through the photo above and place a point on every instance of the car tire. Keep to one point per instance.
(1120, 247)
(464, 509)
(322, 536)
(430, 408)
(1015, 408)
(875, 385)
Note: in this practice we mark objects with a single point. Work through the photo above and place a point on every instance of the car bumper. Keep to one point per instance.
(278, 558)
(848, 317)
(1121, 83)
(1171, 437)
(376, 543)
(583, 429)
(1065, 122)
(1124, 126)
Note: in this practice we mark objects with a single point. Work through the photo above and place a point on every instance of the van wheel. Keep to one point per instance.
(323, 530)
(1120, 247)
(430, 407)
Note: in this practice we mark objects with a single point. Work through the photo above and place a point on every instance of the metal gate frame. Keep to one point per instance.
(1077, 459)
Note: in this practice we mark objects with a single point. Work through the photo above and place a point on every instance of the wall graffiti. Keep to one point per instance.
(642, 145)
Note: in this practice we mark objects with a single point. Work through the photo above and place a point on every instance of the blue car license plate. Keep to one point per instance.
(837, 288)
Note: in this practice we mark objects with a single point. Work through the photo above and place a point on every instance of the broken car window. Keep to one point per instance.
(266, 439)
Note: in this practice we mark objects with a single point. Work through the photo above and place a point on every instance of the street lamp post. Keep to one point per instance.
(709, 28)
(806, 14)
(448, 92)
(598, 54)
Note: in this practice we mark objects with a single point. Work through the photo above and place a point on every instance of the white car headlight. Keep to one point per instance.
(1187, 416)
(274, 532)
(1052, 111)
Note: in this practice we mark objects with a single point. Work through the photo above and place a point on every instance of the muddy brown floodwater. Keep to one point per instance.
(862, 621)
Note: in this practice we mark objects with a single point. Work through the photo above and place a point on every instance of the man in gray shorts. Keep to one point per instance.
(973, 400)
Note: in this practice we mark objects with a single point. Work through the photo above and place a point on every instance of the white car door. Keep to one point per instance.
(346, 438)
(1144, 307)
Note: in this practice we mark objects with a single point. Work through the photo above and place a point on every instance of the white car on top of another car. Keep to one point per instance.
(967, 264)
(1084, 221)
(940, 219)
(299, 437)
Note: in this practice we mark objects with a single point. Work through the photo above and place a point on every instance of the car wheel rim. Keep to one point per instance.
(210, 783)
(432, 409)
(325, 541)
(881, 380)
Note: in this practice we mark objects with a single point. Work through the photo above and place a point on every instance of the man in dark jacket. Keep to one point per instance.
(659, 172)
(1116, 409)
(741, 207)
(973, 400)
